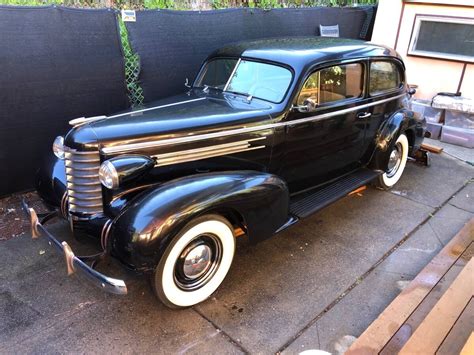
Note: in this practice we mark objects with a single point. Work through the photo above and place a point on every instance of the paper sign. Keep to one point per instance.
(129, 16)
(329, 31)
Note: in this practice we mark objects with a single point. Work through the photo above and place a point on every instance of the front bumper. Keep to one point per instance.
(74, 263)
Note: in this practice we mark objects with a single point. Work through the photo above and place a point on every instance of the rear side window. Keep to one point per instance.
(384, 76)
(340, 82)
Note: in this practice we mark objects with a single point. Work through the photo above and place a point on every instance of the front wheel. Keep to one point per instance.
(396, 164)
(195, 263)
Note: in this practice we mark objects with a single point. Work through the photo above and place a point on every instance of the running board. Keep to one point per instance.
(307, 203)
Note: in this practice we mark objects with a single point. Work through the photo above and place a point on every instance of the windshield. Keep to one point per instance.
(261, 80)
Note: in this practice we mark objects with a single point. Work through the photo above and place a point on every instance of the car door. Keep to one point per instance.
(385, 91)
(326, 142)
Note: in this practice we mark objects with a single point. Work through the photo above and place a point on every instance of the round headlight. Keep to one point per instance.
(58, 147)
(108, 175)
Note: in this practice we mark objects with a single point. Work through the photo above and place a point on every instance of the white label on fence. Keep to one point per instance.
(329, 31)
(129, 16)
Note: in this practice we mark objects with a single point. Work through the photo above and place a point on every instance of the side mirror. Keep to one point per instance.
(309, 105)
(411, 91)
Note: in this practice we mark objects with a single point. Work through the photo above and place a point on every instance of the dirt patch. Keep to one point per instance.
(13, 221)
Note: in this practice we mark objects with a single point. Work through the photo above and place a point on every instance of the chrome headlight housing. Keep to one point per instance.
(58, 147)
(120, 170)
(108, 175)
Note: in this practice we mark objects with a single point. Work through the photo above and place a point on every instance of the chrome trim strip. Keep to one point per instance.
(156, 107)
(153, 144)
(82, 120)
(232, 74)
(206, 155)
(105, 234)
(64, 200)
(206, 149)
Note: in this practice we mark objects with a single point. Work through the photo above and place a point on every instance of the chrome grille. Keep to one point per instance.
(83, 186)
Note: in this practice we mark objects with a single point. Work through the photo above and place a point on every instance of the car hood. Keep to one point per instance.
(172, 117)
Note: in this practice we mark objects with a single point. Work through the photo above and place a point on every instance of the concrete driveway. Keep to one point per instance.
(316, 286)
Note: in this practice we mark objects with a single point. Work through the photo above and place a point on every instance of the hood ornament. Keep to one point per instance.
(82, 120)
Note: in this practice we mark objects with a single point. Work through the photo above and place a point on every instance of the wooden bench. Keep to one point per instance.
(434, 313)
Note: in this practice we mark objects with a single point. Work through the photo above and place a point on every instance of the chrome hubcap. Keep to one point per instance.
(395, 160)
(198, 262)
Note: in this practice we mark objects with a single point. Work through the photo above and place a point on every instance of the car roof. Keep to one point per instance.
(300, 51)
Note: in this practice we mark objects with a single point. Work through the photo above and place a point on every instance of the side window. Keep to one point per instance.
(335, 83)
(384, 76)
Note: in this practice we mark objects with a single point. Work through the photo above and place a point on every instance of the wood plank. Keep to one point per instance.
(431, 148)
(468, 348)
(459, 334)
(392, 318)
(408, 328)
(433, 330)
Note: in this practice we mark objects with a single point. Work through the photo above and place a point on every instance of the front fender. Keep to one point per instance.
(144, 228)
(50, 181)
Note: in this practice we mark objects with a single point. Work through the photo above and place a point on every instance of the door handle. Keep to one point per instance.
(363, 115)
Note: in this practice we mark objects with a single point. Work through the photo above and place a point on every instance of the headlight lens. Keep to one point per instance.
(108, 175)
(58, 147)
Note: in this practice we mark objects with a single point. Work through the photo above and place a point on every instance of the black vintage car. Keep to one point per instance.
(270, 132)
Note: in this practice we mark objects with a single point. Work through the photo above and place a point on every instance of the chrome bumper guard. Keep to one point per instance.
(74, 263)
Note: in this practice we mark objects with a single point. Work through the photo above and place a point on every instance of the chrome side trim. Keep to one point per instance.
(104, 235)
(64, 208)
(206, 152)
(153, 144)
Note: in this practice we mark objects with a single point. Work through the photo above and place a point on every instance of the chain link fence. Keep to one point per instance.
(132, 68)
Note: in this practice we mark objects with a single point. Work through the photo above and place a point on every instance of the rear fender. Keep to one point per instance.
(401, 121)
(143, 229)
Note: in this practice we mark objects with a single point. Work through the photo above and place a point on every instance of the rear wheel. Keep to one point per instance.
(195, 263)
(396, 164)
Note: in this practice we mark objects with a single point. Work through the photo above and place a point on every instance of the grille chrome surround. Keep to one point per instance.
(84, 189)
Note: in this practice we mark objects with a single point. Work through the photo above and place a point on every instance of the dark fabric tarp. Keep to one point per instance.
(173, 44)
(56, 64)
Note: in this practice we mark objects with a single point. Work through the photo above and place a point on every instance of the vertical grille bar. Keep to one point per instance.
(83, 186)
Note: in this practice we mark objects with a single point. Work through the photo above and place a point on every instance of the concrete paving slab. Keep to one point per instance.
(308, 267)
(413, 255)
(456, 150)
(420, 184)
(23, 256)
(340, 326)
(446, 228)
(464, 200)
(134, 324)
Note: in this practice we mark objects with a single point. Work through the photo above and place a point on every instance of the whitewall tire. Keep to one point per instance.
(195, 263)
(396, 164)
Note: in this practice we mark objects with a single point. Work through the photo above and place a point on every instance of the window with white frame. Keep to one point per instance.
(443, 37)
